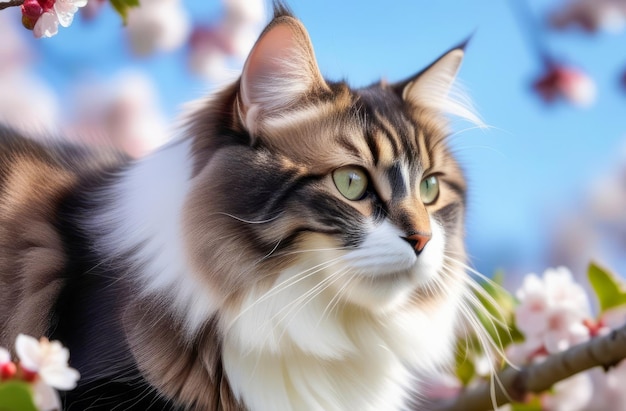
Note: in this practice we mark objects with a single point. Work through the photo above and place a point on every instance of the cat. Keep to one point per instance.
(298, 247)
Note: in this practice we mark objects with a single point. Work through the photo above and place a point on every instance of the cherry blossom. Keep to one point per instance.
(160, 25)
(5, 356)
(552, 311)
(566, 82)
(45, 16)
(124, 111)
(49, 359)
(7, 367)
(572, 394)
(232, 36)
(591, 15)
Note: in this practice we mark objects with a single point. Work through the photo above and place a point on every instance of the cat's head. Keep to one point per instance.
(352, 190)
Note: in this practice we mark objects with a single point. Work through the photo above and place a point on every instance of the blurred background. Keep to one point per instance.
(547, 178)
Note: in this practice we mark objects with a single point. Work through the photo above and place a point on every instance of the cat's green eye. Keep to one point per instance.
(351, 182)
(429, 190)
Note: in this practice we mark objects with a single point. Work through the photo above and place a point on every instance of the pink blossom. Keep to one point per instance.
(608, 388)
(53, 13)
(551, 312)
(160, 25)
(231, 38)
(566, 82)
(47, 25)
(26, 103)
(591, 15)
(5, 356)
(124, 111)
(571, 394)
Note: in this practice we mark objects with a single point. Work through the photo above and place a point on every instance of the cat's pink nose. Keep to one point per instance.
(418, 241)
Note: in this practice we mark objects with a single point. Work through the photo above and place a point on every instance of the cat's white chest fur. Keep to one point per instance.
(298, 348)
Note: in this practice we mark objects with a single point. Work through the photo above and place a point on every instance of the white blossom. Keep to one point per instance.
(49, 359)
(63, 13)
(160, 25)
(5, 356)
(65, 10)
(124, 111)
(552, 310)
(571, 394)
(47, 25)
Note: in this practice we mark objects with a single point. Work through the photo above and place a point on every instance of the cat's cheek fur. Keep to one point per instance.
(387, 270)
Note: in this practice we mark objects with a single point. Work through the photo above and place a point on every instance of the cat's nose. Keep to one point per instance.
(418, 241)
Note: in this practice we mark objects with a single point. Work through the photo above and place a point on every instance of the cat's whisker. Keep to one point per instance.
(476, 302)
(306, 298)
(243, 220)
(313, 291)
(332, 304)
(488, 345)
(268, 255)
(313, 250)
(290, 281)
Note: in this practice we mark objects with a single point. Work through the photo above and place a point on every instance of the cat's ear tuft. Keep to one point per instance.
(434, 87)
(280, 70)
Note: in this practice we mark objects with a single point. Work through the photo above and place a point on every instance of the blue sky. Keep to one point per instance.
(532, 166)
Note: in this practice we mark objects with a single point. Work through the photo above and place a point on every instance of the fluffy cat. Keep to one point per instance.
(299, 247)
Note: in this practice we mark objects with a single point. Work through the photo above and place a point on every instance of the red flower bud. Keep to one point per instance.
(28, 22)
(31, 11)
(32, 8)
(47, 5)
(566, 82)
(28, 375)
(8, 370)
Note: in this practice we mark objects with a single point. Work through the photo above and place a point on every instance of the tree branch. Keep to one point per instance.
(12, 3)
(606, 351)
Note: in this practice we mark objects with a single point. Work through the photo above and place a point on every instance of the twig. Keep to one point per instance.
(515, 385)
(12, 3)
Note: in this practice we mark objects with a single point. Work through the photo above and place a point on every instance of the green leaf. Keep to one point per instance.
(122, 7)
(16, 396)
(498, 319)
(609, 288)
(532, 405)
(464, 370)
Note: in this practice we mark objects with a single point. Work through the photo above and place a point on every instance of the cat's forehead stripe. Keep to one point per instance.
(423, 150)
(301, 115)
(390, 132)
(385, 150)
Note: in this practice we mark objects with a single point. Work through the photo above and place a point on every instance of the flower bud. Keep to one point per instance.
(46, 5)
(31, 11)
(7, 370)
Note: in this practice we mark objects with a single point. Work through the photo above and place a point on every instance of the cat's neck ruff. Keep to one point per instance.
(302, 349)
(141, 225)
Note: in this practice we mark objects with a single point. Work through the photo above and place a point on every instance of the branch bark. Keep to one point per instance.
(12, 3)
(606, 351)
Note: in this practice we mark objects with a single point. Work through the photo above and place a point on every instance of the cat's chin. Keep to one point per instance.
(382, 293)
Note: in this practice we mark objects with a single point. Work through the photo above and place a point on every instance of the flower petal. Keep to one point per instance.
(29, 352)
(65, 12)
(46, 398)
(47, 25)
(5, 356)
(60, 377)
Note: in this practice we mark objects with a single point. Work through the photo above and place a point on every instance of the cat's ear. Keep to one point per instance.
(433, 87)
(280, 70)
